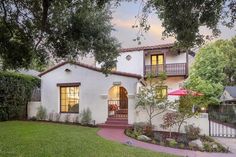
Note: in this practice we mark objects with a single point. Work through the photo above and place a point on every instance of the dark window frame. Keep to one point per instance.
(163, 87)
(64, 85)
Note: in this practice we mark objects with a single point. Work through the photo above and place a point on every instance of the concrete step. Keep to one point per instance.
(120, 126)
(116, 122)
(117, 119)
(122, 111)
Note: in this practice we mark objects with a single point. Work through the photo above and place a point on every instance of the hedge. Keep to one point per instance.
(15, 92)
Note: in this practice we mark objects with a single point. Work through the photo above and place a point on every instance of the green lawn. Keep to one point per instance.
(34, 139)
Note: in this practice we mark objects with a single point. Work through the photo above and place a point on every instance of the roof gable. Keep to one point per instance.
(162, 46)
(231, 90)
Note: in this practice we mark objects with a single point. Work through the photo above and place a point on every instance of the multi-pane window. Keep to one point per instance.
(162, 92)
(157, 59)
(69, 96)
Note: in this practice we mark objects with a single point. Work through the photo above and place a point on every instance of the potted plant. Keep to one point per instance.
(112, 109)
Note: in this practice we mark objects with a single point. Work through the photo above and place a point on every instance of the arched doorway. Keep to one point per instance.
(118, 102)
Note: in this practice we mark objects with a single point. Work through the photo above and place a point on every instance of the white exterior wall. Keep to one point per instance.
(171, 58)
(93, 89)
(175, 58)
(200, 121)
(32, 108)
(134, 65)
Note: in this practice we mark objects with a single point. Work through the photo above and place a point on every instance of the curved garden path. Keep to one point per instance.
(119, 136)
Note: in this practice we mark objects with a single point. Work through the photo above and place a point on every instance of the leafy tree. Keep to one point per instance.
(44, 29)
(182, 19)
(148, 99)
(169, 120)
(214, 67)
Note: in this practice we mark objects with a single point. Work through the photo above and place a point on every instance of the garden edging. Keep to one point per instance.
(119, 136)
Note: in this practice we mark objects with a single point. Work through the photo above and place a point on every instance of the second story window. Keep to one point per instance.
(157, 59)
(162, 92)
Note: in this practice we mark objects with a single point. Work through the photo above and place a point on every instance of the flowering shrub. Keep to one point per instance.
(113, 107)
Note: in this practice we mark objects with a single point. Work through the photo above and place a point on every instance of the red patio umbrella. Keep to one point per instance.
(184, 92)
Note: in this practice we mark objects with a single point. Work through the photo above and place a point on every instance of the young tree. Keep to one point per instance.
(169, 120)
(151, 98)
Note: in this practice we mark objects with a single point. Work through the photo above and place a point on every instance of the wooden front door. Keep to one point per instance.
(123, 98)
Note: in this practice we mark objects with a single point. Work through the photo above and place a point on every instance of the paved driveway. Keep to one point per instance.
(228, 142)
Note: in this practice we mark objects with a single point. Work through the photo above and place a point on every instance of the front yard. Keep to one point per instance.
(35, 139)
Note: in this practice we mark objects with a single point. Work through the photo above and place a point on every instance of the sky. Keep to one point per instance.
(124, 18)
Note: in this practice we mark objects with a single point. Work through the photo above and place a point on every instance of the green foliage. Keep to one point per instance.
(158, 137)
(214, 67)
(169, 120)
(86, 116)
(172, 143)
(62, 140)
(41, 113)
(15, 93)
(192, 132)
(183, 19)
(183, 139)
(32, 32)
(148, 100)
(223, 113)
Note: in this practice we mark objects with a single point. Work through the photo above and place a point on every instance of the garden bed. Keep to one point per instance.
(176, 140)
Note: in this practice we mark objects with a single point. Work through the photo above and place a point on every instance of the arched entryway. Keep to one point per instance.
(118, 102)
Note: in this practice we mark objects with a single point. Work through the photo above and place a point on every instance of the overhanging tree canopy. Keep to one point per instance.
(51, 28)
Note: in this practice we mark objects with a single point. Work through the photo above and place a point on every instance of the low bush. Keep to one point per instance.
(50, 116)
(182, 138)
(181, 145)
(41, 113)
(172, 143)
(67, 118)
(76, 119)
(192, 132)
(140, 126)
(207, 146)
(57, 117)
(158, 137)
(33, 118)
(86, 116)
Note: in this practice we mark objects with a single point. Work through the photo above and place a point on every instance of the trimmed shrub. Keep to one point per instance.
(192, 132)
(86, 116)
(42, 113)
(15, 93)
(172, 143)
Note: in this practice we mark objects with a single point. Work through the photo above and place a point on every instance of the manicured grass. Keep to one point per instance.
(35, 139)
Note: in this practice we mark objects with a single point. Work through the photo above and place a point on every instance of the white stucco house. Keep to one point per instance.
(69, 88)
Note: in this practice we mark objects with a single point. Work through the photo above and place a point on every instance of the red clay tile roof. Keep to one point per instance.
(91, 68)
(147, 47)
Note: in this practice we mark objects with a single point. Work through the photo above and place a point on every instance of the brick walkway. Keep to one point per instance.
(119, 136)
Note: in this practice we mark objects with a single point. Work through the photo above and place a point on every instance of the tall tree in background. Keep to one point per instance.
(214, 67)
(42, 29)
(182, 19)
